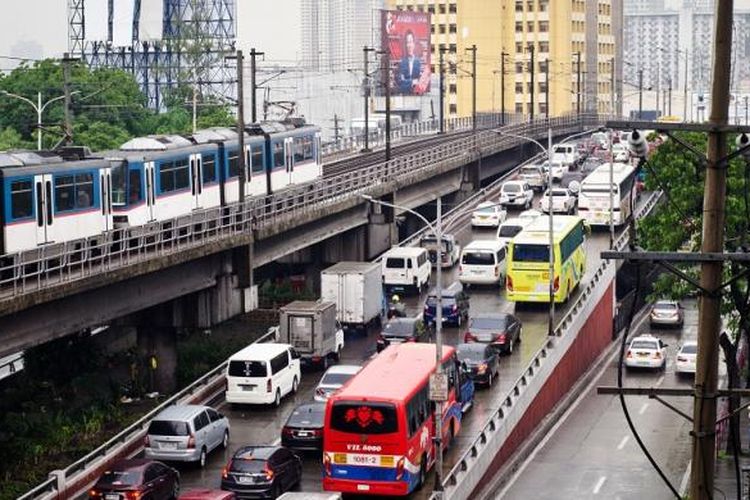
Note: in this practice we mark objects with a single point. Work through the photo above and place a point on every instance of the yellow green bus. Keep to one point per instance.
(527, 273)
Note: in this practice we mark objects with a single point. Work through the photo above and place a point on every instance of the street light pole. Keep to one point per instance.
(39, 108)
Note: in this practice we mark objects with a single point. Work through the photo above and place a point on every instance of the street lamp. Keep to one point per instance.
(38, 107)
(437, 231)
(548, 153)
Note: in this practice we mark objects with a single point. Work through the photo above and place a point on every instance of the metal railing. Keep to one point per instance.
(135, 431)
(26, 272)
(465, 475)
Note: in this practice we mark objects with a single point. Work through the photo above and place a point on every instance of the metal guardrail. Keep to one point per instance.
(464, 474)
(32, 270)
(135, 431)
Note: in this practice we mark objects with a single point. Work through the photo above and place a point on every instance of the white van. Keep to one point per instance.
(482, 263)
(263, 374)
(510, 228)
(567, 154)
(406, 267)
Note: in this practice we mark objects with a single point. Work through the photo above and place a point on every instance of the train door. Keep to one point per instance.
(105, 195)
(248, 171)
(289, 158)
(318, 155)
(196, 174)
(149, 168)
(45, 213)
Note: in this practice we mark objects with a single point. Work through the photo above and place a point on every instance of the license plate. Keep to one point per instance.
(112, 496)
(363, 487)
(477, 272)
(357, 459)
(244, 479)
(168, 446)
(642, 354)
(248, 388)
(303, 434)
(522, 288)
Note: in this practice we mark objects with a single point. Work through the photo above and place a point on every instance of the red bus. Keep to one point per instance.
(379, 427)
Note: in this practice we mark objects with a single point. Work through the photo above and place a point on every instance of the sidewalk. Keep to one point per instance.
(725, 480)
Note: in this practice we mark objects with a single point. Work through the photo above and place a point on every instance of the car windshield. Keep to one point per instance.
(399, 329)
(665, 306)
(644, 344)
(239, 368)
(486, 209)
(394, 263)
(511, 188)
(470, 352)
(247, 466)
(488, 323)
(478, 258)
(120, 478)
(335, 378)
(168, 428)
(689, 349)
(530, 171)
(307, 415)
(509, 231)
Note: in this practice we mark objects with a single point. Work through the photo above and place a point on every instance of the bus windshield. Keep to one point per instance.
(523, 252)
(364, 418)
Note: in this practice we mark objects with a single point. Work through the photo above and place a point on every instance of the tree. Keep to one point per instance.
(10, 139)
(677, 225)
(100, 136)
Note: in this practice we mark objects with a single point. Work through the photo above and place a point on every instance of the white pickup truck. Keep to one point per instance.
(562, 201)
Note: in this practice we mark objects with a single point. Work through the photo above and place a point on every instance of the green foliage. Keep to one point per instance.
(100, 136)
(10, 139)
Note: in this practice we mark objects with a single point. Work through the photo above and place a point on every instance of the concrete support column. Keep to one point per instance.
(157, 348)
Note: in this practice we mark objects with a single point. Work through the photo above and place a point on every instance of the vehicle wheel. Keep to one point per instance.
(202, 458)
(422, 472)
(277, 399)
(527, 205)
(175, 490)
(294, 385)
(509, 351)
(490, 379)
(277, 491)
(518, 339)
(324, 362)
(225, 440)
(337, 356)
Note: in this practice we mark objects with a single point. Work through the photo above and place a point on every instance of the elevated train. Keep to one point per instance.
(53, 197)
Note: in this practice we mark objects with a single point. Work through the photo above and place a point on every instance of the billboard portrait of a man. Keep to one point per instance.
(406, 37)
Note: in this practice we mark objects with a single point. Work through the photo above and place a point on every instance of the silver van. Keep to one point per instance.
(186, 433)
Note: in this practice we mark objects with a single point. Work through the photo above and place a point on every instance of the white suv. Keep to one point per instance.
(517, 194)
(562, 201)
(646, 351)
(534, 175)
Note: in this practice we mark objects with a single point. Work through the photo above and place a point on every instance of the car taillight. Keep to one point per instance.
(191, 441)
(468, 337)
(509, 283)
(225, 470)
(460, 268)
(381, 338)
(497, 271)
(327, 463)
(269, 386)
(400, 469)
(411, 339)
(657, 355)
(501, 338)
(556, 285)
(268, 472)
(286, 431)
(629, 354)
(482, 368)
(320, 392)
(683, 359)
(317, 432)
(132, 495)
(93, 493)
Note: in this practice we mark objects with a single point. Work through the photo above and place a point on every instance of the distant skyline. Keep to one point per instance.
(272, 27)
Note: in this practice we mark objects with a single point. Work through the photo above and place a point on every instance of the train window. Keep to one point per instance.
(278, 154)
(65, 193)
(181, 174)
(174, 175)
(21, 200)
(308, 148)
(234, 164)
(257, 159)
(84, 191)
(209, 168)
(134, 186)
(119, 184)
(299, 146)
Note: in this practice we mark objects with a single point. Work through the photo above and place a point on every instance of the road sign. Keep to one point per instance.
(439, 387)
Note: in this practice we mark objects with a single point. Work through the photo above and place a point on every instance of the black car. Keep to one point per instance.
(500, 330)
(261, 472)
(455, 305)
(480, 362)
(399, 330)
(304, 427)
(137, 478)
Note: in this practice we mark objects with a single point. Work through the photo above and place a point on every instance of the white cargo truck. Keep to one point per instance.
(312, 329)
(357, 291)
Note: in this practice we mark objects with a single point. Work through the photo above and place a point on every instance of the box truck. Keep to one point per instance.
(312, 329)
(356, 289)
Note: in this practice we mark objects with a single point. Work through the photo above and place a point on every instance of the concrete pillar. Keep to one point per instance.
(157, 349)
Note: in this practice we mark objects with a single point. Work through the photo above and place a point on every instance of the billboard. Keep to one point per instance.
(406, 38)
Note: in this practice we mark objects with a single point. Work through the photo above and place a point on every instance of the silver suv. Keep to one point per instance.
(186, 433)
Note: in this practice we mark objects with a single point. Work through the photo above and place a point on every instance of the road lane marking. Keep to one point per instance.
(599, 484)
(276, 441)
(643, 408)
(564, 417)
(659, 381)
(685, 479)
(623, 442)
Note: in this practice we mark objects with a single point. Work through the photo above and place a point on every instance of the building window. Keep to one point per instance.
(452, 109)
(530, 26)
(431, 9)
(452, 8)
(543, 46)
(519, 47)
(519, 107)
(442, 29)
(452, 48)
(519, 5)
(441, 8)
(543, 5)
(519, 88)
(519, 68)
(451, 28)
(542, 86)
(452, 88)
(543, 108)
(543, 66)
(543, 26)
(530, 5)
(519, 27)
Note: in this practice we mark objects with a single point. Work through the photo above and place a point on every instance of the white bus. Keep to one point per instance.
(594, 195)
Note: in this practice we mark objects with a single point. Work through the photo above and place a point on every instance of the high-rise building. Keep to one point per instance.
(334, 32)
(554, 32)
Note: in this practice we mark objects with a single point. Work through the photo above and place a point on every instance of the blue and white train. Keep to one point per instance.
(48, 197)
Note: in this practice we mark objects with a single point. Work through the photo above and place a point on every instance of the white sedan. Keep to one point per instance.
(646, 351)
(686, 356)
(562, 201)
(332, 380)
(488, 214)
(620, 153)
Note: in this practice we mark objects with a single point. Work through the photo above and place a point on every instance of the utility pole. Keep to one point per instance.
(578, 83)
(640, 94)
(442, 89)
(502, 87)
(658, 87)
(685, 89)
(746, 110)
(67, 105)
(533, 90)
(709, 313)
(253, 86)
(546, 93)
(669, 93)
(366, 92)
(241, 122)
(473, 51)
(336, 128)
(387, 83)
(612, 88)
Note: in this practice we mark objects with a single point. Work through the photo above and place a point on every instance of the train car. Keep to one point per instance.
(293, 152)
(48, 198)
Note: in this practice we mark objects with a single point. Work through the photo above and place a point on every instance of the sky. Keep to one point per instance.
(272, 26)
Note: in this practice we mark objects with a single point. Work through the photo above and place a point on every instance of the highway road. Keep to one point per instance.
(250, 425)
(592, 453)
